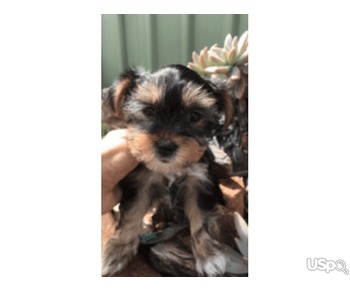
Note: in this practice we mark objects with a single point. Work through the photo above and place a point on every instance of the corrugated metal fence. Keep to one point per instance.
(154, 40)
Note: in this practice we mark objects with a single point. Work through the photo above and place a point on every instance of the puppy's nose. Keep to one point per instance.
(165, 147)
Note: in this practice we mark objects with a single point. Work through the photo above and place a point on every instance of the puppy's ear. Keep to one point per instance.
(218, 86)
(121, 90)
(225, 101)
(228, 109)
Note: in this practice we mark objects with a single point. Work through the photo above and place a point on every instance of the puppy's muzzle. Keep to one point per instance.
(165, 148)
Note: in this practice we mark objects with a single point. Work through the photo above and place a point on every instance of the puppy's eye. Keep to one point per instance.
(148, 111)
(195, 116)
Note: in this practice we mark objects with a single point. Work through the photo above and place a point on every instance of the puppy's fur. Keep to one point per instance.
(170, 114)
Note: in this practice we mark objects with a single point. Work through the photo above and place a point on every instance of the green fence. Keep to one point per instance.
(154, 40)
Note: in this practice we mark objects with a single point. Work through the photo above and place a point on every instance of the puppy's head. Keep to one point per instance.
(170, 114)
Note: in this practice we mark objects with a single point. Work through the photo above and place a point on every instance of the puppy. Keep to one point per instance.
(170, 114)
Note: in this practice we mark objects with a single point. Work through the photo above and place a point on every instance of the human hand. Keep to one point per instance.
(116, 163)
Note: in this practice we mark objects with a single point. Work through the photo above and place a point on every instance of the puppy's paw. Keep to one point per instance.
(116, 256)
(209, 255)
(111, 268)
(212, 266)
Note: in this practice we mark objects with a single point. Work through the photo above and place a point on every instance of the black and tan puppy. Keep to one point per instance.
(170, 114)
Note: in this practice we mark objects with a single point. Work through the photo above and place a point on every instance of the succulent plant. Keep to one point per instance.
(238, 262)
(229, 63)
(242, 240)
